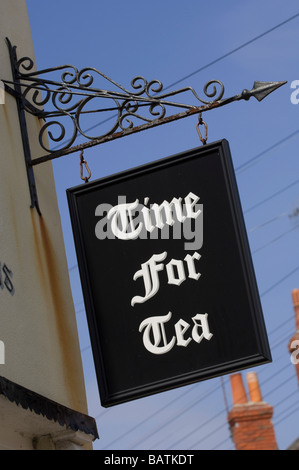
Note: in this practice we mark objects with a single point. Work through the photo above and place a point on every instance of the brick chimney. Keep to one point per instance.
(250, 421)
(294, 341)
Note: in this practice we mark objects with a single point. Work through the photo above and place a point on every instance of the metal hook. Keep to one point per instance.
(82, 161)
(201, 122)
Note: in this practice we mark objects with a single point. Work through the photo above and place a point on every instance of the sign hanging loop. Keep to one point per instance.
(201, 122)
(84, 162)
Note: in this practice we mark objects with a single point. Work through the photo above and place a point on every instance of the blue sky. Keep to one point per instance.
(168, 41)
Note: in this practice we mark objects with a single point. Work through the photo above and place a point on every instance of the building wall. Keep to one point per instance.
(37, 318)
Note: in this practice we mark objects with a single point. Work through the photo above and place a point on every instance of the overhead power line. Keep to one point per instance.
(273, 219)
(236, 49)
(277, 193)
(274, 240)
(280, 281)
(158, 412)
(252, 161)
(204, 67)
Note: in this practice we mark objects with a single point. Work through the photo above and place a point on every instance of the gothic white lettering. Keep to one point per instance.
(124, 223)
(154, 334)
(131, 220)
(175, 272)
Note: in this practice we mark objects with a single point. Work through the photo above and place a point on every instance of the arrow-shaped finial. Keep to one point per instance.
(261, 89)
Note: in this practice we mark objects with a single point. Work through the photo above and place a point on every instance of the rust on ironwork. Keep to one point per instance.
(117, 135)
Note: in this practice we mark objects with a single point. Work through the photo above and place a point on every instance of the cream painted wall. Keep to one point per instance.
(37, 320)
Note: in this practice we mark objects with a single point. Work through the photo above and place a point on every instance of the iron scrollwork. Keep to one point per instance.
(74, 94)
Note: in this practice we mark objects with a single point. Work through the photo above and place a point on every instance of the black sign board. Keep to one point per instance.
(167, 276)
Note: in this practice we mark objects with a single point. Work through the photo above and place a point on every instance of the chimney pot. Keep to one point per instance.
(295, 295)
(254, 387)
(238, 390)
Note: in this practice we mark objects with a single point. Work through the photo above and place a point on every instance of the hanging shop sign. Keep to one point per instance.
(167, 276)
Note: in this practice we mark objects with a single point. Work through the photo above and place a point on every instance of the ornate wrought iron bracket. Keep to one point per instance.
(74, 96)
